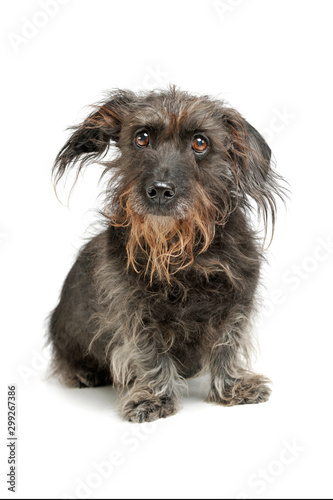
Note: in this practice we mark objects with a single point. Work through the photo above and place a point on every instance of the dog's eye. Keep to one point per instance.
(199, 144)
(142, 139)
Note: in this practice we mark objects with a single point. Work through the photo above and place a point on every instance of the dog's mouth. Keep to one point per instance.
(174, 211)
(159, 224)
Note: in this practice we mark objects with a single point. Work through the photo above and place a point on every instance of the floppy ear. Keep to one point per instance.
(251, 158)
(92, 138)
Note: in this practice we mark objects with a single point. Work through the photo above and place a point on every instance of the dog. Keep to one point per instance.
(168, 289)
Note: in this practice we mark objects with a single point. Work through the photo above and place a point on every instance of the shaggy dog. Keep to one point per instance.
(167, 290)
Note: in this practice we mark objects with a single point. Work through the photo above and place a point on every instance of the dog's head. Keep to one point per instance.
(185, 164)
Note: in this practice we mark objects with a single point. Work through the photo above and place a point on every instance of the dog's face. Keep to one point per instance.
(175, 151)
(185, 164)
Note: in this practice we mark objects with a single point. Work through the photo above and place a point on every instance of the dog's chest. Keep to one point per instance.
(191, 323)
(196, 306)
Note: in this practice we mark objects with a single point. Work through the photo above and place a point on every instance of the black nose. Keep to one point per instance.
(161, 192)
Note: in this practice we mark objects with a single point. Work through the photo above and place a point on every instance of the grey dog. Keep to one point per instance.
(168, 289)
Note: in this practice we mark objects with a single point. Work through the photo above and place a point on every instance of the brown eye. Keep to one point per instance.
(142, 139)
(199, 144)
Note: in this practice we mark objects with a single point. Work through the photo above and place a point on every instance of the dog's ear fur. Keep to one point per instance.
(92, 138)
(251, 159)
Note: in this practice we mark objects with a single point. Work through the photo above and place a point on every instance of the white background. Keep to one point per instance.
(268, 59)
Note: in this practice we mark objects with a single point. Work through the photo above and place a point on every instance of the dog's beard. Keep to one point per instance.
(164, 246)
(161, 246)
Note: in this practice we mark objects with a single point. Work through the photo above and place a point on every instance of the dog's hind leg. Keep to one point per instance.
(93, 379)
(79, 372)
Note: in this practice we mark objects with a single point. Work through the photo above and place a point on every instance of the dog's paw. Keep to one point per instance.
(249, 390)
(140, 408)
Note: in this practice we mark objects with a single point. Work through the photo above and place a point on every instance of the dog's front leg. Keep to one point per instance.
(143, 364)
(232, 383)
